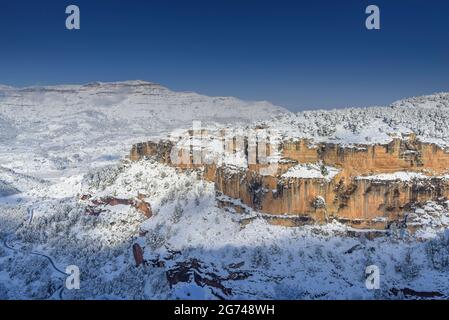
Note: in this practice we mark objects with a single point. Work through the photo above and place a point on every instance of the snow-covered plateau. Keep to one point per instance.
(69, 195)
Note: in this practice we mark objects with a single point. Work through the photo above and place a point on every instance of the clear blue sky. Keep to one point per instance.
(299, 54)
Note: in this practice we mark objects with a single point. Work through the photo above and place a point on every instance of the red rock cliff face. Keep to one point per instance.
(349, 196)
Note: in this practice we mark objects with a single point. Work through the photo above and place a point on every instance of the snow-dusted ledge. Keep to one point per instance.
(395, 176)
(311, 171)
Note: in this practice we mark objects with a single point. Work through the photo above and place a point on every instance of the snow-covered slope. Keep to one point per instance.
(62, 142)
(426, 116)
(195, 250)
(46, 131)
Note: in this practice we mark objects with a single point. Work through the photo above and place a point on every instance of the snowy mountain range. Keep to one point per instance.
(64, 148)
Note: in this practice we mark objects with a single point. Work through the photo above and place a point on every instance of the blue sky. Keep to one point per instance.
(298, 54)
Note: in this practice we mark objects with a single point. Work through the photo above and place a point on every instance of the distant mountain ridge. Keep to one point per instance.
(64, 127)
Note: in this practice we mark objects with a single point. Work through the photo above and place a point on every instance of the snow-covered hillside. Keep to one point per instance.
(426, 116)
(62, 151)
(46, 131)
(195, 250)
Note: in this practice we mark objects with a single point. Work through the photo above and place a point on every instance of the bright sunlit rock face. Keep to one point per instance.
(363, 185)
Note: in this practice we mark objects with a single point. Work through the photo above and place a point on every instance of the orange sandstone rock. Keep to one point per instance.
(349, 196)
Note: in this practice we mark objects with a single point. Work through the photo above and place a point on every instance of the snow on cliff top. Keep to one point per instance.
(426, 116)
(395, 176)
(311, 171)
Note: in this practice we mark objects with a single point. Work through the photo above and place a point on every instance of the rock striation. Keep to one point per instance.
(363, 185)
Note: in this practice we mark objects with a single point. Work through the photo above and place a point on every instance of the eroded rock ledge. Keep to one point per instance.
(363, 185)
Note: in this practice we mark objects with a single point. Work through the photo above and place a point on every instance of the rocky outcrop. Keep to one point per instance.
(97, 205)
(138, 254)
(370, 186)
(193, 271)
(159, 150)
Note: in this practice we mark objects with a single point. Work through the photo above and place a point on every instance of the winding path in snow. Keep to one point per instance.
(10, 247)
